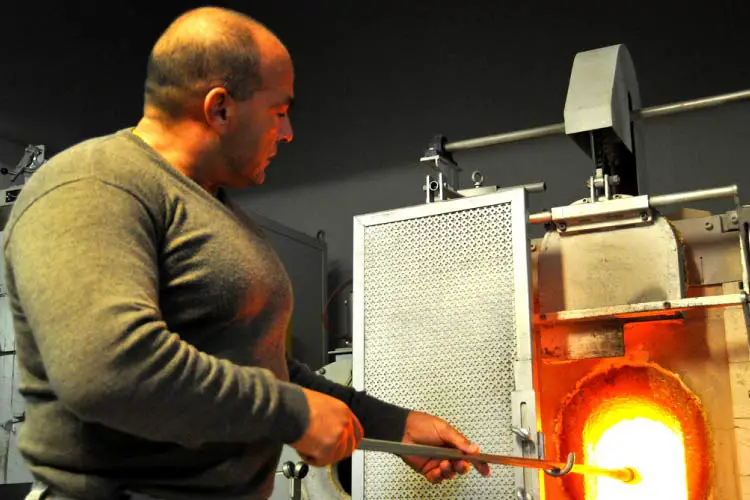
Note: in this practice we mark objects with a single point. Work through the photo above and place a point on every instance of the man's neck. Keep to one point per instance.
(180, 144)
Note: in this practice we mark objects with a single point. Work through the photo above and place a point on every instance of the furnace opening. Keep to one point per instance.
(608, 441)
(638, 416)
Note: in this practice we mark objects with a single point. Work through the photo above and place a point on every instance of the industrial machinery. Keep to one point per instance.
(620, 336)
(12, 410)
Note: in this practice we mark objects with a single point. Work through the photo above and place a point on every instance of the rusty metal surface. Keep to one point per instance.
(598, 340)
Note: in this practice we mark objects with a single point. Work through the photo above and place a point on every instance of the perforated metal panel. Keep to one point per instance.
(442, 312)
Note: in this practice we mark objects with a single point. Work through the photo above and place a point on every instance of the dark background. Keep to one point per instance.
(377, 79)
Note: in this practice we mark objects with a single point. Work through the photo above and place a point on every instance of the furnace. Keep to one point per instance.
(619, 338)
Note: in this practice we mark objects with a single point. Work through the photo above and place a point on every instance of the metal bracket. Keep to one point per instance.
(446, 185)
(601, 182)
(620, 211)
(530, 443)
(32, 159)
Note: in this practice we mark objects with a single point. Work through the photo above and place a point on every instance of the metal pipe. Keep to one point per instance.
(691, 196)
(540, 217)
(663, 200)
(559, 128)
(706, 102)
(518, 135)
(535, 187)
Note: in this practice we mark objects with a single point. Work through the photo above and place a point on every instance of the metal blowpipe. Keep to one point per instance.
(626, 475)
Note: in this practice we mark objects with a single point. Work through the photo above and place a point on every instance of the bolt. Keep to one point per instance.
(533, 247)
(644, 216)
(322, 371)
(708, 225)
(562, 226)
(734, 218)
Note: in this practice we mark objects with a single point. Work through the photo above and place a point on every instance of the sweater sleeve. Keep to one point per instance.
(82, 263)
(380, 420)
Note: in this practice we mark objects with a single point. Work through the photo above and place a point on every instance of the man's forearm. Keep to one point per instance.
(379, 419)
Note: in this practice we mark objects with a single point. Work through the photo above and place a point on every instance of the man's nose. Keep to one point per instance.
(286, 134)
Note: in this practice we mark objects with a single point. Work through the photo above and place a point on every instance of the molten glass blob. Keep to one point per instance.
(637, 434)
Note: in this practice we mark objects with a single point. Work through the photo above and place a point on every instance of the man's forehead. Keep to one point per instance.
(277, 96)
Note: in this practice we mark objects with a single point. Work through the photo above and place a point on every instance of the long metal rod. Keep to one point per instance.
(691, 196)
(626, 475)
(559, 128)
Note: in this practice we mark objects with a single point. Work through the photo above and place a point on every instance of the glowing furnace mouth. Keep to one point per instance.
(640, 416)
(637, 434)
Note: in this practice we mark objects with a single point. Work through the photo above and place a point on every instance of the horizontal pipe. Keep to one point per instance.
(559, 128)
(663, 200)
(518, 135)
(535, 187)
(540, 217)
(695, 104)
(691, 196)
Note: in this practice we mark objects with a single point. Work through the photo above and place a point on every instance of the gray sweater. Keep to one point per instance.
(150, 320)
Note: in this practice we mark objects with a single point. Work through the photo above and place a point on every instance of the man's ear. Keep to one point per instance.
(217, 108)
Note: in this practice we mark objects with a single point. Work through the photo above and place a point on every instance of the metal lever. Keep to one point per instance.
(552, 468)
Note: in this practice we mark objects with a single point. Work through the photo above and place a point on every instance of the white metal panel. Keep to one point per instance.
(442, 325)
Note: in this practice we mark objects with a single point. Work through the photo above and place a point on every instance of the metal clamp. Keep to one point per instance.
(565, 470)
(521, 432)
(295, 474)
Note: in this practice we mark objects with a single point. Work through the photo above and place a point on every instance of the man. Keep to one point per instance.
(150, 314)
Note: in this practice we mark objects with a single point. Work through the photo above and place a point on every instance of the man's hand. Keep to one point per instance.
(333, 434)
(428, 430)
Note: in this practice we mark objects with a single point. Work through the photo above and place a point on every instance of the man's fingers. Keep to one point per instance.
(461, 466)
(482, 468)
(453, 437)
(434, 476)
(429, 466)
(446, 468)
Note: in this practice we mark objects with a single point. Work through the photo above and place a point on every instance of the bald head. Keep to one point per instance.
(204, 48)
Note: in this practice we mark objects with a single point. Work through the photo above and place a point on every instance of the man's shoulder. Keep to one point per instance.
(108, 157)
(115, 159)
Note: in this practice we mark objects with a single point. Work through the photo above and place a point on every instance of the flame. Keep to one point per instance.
(642, 435)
